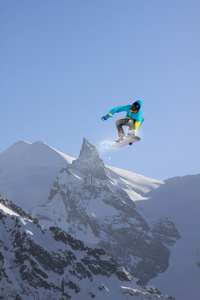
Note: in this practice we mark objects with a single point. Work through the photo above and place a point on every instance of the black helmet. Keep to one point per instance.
(135, 107)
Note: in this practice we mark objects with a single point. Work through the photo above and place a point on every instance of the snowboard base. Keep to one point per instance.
(128, 140)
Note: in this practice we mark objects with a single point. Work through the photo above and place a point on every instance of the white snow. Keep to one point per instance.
(136, 186)
(7, 210)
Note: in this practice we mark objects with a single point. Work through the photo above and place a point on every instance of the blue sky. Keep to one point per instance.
(66, 63)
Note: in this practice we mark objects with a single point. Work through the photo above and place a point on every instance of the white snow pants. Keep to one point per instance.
(125, 122)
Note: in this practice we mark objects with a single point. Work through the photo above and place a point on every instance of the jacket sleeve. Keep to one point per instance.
(118, 109)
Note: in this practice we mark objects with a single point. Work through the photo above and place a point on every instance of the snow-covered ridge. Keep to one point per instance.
(27, 172)
(22, 154)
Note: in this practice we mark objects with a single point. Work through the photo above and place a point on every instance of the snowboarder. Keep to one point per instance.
(133, 118)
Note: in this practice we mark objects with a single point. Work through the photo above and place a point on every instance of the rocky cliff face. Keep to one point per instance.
(85, 202)
(89, 162)
(36, 263)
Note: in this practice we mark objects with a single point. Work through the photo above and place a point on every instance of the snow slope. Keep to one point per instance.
(27, 172)
(136, 186)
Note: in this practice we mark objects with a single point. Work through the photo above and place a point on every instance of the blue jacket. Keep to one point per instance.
(137, 117)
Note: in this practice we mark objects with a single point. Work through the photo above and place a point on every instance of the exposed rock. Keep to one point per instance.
(51, 264)
(89, 162)
(166, 231)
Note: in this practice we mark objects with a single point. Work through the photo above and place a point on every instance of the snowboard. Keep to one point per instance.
(128, 140)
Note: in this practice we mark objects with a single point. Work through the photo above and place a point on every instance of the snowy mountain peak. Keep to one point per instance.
(90, 162)
(23, 154)
(102, 214)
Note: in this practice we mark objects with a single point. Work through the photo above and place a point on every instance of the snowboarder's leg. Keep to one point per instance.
(119, 124)
(125, 122)
(131, 124)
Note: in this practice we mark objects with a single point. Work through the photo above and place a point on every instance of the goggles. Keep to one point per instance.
(134, 111)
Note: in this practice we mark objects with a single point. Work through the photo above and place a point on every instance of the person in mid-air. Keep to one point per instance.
(133, 118)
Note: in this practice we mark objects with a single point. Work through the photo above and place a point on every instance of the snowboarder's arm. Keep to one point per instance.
(119, 109)
(113, 111)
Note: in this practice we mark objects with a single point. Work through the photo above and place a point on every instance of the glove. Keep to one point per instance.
(106, 117)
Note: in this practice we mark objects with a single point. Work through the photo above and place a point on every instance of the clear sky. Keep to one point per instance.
(64, 64)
